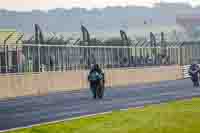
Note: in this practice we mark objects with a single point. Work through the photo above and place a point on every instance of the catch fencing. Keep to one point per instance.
(39, 58)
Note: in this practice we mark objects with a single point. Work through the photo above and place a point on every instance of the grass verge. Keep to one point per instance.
(174, 117)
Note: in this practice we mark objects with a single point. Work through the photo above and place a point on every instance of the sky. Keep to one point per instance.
(28, 5)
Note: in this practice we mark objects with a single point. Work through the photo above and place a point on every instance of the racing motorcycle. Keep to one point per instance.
(97, 86)
(194, 77)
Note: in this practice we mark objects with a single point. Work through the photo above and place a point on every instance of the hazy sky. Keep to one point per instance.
(24, 5)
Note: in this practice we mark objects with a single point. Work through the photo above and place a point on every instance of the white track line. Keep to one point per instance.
(69, 119)
(54, 122)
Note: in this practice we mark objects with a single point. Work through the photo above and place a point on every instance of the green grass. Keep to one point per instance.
(174, 117)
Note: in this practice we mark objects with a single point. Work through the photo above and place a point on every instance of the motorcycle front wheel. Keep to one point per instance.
(100, 91)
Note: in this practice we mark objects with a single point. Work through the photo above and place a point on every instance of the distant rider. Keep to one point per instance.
(194, 70)
(94, 77)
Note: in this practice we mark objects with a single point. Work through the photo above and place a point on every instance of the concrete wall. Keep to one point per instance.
(13, 85)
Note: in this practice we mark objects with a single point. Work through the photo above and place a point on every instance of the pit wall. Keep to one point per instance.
(14, 85)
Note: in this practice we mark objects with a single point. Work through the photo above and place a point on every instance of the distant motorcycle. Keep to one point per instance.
(194, 77)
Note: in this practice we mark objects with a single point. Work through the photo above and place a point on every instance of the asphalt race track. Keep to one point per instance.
(26, 111)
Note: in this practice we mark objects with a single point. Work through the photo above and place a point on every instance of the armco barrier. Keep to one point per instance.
(185, 71)
(14, 85)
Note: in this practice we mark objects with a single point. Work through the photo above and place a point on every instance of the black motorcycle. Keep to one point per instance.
(194, 77)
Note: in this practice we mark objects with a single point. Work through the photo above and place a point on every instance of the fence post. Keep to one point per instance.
(39, 58)
(181, 63)
(6, 59)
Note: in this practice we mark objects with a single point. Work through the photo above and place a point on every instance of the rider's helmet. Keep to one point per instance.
(96, 66)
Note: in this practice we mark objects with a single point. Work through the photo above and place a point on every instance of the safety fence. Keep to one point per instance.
(40, 58)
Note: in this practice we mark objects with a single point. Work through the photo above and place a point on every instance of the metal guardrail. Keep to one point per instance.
(185, 71)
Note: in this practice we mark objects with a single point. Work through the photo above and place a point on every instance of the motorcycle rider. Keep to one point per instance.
(94, 77)
(194, 70)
